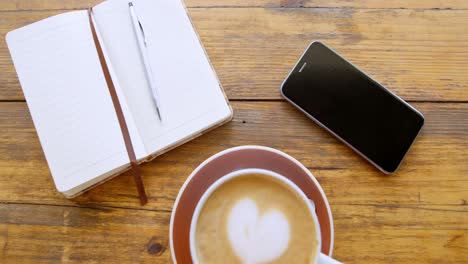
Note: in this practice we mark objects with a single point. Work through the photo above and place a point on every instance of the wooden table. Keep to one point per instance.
(419, 49)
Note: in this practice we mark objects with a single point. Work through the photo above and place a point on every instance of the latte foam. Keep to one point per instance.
(257, 238)
(255, 219)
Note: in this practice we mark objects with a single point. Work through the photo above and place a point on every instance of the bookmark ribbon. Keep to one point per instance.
(120, 115)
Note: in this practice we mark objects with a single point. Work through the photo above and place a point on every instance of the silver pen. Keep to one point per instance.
(142, 45)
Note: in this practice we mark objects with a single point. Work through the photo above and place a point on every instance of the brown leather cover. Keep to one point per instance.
(120, 115)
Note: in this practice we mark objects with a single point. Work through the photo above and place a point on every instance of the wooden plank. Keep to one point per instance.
(413, 246)
(415, 53)
(391, 4)
(364, 234)
(54, 234)
(393, 234)
(434, 172)
(419, 54)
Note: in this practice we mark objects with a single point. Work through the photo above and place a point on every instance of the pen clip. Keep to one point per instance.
(142, 32)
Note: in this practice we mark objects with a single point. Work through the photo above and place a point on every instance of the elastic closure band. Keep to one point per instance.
(120, 116)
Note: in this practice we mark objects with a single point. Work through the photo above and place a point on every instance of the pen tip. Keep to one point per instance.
(130, 4)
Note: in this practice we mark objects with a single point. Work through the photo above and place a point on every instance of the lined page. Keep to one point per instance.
(68, 98)
(189, 92)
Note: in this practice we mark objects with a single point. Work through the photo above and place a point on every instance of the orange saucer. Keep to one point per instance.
(234, 159)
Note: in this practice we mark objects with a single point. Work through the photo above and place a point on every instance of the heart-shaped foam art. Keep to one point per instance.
(257, 238)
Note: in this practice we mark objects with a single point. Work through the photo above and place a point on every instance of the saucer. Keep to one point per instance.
(233, 159)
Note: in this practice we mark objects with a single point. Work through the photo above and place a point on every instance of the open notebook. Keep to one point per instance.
(61, 76)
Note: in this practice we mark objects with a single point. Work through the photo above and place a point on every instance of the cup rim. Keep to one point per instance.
(239, 173)
(230, 150)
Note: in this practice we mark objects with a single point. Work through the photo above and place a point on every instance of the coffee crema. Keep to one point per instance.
(252, 219)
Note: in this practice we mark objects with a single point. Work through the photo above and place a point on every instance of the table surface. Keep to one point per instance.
(419, 49)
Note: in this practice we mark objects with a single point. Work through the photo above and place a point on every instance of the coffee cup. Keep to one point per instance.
(255, 216)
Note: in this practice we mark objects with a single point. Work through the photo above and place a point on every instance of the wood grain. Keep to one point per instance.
(418, 215)
(435, 171)
(57, 234)
(389, 4)
(52, 234)
(419, 54)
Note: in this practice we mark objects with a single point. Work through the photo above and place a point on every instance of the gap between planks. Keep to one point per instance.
(259, 7)
(282, 100)
(93, 207)
(108, 207)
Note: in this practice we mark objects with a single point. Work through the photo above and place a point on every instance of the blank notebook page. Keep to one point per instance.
(190, 95)
(66, 92)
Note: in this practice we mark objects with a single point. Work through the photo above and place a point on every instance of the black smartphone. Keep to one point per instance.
(352, 106)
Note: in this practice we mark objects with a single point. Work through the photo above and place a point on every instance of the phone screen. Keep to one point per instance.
(357, 109)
